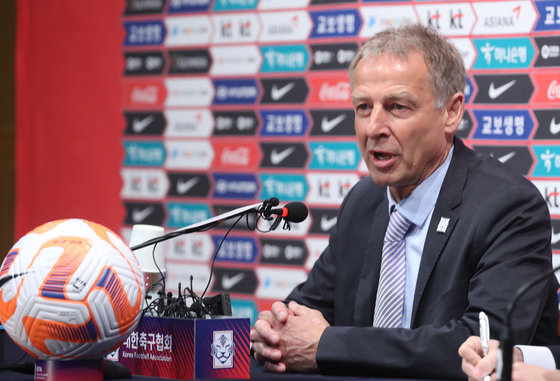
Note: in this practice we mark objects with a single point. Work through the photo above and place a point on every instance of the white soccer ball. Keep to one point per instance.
(74, 290)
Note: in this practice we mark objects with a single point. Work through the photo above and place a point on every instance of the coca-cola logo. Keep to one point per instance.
(553, 90)
(339, 92)
(149, 94)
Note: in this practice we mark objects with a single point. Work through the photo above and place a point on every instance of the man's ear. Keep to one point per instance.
(454, 109)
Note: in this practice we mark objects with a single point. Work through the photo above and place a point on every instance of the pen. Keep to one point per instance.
(484, 335)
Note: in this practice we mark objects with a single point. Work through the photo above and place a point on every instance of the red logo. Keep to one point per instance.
(232, 155)
(144, 93)
(548, 87)
(331, 89)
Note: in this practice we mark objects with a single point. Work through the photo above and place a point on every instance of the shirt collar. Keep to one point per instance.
(417, 206)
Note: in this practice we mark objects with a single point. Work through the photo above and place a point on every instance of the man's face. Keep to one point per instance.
(401, 136)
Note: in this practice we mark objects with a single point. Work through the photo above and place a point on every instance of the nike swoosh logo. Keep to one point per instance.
(277, 93)
(554, 127)
(228, 282)
(185, 186)
(139, 215)
(495, 92)
(139, 125)
(555, 237)
(327, 125)
(278, 157)
(327, 223)
(505, 158)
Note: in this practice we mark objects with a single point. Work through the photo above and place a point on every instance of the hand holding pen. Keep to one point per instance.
(484, 327)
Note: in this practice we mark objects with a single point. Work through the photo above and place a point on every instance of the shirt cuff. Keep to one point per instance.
(536, 355)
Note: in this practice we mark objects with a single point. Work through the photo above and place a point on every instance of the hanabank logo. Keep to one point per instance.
(143, 33)
(144, 123)
(288, 187)
(549, 124)
(195, 61)
(504, 53)
(330, 89)
(283, 252)
(548, 161)
(144, 213)
(503, 89)
(284, 58)
(183, 214)
(284, 122)
(235, 186)
(144, 93)
(334, 155)
(549, 48)
(337, 23)
(144, 7)
(235, 249)
(235, 123)
(548, 85)
(283, 155)
(503, 124)
(144, 63)
(284, 90)
(332, 56)
(518, 158)
(188, 185)
(231, 155)
(145, 153)
(332, 122)
(235, 91)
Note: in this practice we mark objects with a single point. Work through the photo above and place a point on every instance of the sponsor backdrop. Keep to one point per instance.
(225, 103)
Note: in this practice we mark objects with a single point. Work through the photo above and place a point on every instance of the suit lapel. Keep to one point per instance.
(369, 277)
(443, 220)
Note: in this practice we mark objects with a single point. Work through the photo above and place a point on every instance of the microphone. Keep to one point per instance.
(292, 212)
(506, 338)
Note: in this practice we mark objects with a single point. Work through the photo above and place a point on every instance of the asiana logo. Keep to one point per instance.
(223, 350)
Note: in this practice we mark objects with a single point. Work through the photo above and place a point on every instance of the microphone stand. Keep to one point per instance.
(263, 207)
(506, 338)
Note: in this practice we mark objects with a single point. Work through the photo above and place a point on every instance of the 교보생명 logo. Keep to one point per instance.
(222, 349)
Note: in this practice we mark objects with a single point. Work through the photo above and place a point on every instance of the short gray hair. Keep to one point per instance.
(444, 62)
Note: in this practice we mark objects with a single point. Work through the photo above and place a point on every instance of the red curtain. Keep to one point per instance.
(68, 121)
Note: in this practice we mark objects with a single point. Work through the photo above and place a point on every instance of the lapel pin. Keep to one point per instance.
(442, 226)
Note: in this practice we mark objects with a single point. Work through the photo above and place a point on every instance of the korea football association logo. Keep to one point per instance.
(223, 349)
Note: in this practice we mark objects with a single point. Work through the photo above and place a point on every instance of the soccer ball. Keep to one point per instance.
(73, 289)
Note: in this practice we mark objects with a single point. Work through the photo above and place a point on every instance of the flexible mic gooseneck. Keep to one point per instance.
(506, 338)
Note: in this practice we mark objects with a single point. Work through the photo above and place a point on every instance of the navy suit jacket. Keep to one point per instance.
(497, 239)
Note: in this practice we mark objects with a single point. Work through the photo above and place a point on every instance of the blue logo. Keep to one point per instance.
(334, 155)
(230, 185)
(180, 6)
(549, 15)
(283, 186)
(548, 161)
(338, 23)
(236, 249)
(150, 154)
(234, 5)
(235, 91)
(139, 33)
(285, 58)
(284, 122)
(503, 53)
(503, 124)
(182, 215)
(244, 309)
(468, 89)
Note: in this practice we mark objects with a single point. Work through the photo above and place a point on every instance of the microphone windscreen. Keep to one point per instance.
(296, 212)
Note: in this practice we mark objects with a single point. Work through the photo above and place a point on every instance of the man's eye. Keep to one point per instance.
(362, 107)
(397, 106)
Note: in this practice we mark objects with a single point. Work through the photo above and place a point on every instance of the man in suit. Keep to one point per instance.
(474, 232)
(531, 363)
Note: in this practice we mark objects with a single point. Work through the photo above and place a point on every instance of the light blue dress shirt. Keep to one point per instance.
(418, 208)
